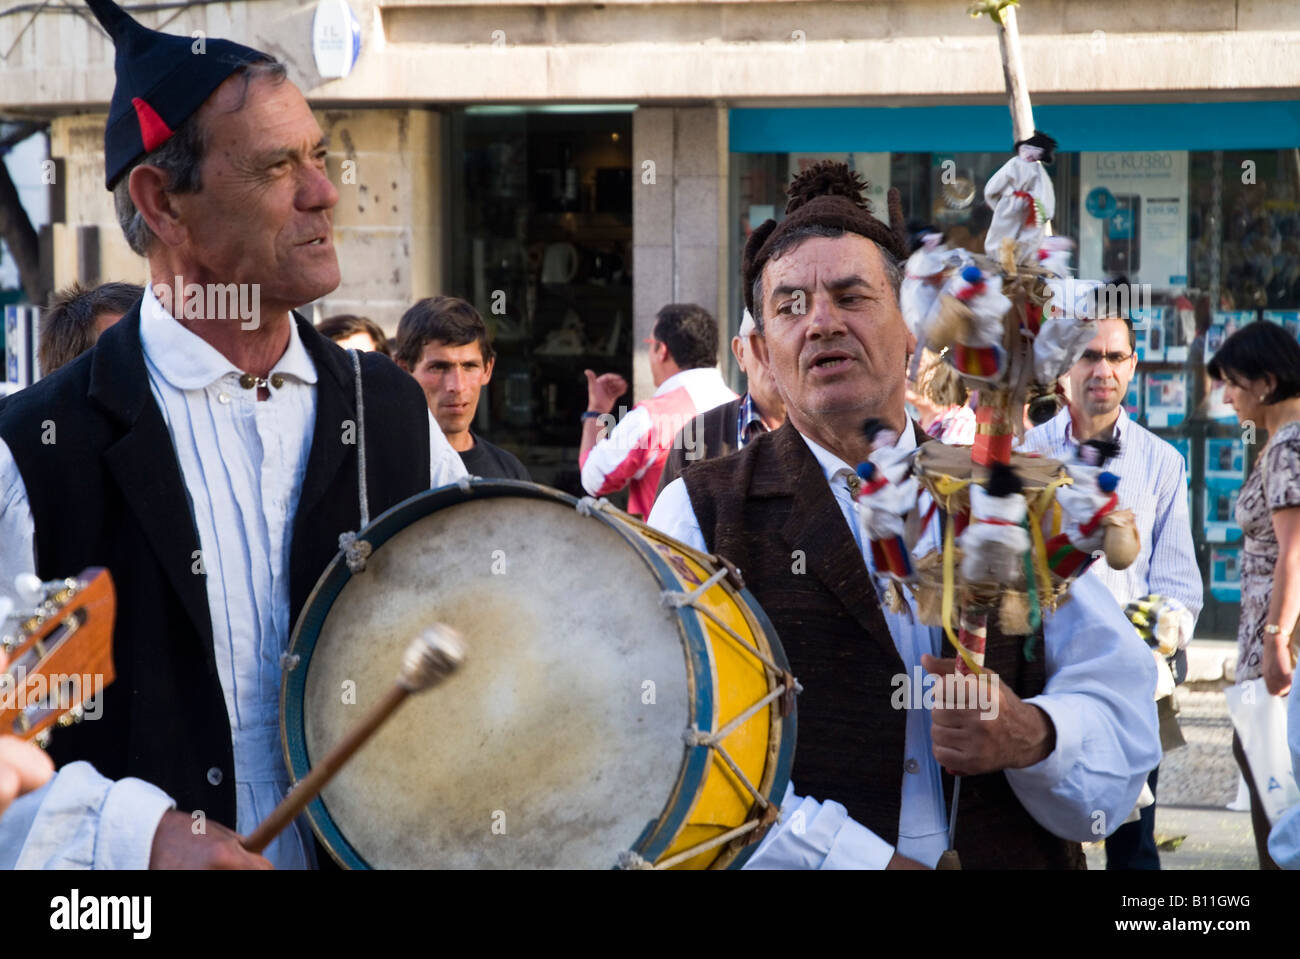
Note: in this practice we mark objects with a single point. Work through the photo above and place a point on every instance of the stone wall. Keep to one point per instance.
(679, 206)
(879, 51)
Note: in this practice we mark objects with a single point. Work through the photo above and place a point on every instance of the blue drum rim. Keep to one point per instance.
(658, 834)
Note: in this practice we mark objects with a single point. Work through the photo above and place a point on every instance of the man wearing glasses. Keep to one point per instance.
(1161, 590)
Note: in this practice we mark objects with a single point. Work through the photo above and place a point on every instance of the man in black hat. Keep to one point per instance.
(1056, 749)
(205, 451)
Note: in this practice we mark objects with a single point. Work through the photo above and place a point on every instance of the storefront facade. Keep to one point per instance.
(570, 168)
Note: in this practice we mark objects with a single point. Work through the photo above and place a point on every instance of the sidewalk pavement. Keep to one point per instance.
(1194, 827)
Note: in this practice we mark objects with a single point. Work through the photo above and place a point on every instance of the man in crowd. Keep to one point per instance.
(443, 343)
(1162, 587)
(77, 316)
(210, 463)
(1070, 732)
(684, 368)
(354, 333)
(727, 428)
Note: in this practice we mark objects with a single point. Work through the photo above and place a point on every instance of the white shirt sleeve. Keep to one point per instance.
(1173, 571)
(1100, 695)
(620, 457)
(17, 529)
(1284, 839)
(445, 464)
(81, 820)
(674, 515)
(813, 835)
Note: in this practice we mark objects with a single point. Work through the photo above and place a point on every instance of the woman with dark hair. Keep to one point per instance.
(1259, 367)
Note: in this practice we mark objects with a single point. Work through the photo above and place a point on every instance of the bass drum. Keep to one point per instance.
(623, 701)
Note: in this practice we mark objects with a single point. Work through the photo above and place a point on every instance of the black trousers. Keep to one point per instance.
(1133, 845)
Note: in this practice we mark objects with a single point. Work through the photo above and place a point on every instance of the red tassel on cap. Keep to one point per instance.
(153, 130)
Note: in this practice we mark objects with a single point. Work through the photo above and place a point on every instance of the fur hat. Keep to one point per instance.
(826, 194)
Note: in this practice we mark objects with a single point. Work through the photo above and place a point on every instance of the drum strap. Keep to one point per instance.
(357, 551)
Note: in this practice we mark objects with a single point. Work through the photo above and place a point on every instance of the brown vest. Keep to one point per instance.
(769, 510)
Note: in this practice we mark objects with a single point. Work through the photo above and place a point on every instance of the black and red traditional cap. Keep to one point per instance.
(162, 80)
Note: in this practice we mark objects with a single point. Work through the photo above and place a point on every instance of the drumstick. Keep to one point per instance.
(432, 656)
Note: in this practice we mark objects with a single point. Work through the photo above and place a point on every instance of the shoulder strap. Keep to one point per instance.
(361, 440)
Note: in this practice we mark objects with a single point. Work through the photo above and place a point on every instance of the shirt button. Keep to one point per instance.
(223, 397)
(912, 766)
(214, 776)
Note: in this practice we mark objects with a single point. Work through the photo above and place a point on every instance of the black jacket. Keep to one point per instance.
(109, 492)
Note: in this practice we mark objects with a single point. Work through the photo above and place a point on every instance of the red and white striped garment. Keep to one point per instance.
(634, 452)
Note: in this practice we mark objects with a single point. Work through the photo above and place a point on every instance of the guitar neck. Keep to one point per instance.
(60, 656)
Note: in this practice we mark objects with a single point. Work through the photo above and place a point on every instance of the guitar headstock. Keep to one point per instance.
(60, 655)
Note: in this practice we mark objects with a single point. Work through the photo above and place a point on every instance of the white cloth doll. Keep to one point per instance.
(994, 545)
(888, 492)
(1022, 199)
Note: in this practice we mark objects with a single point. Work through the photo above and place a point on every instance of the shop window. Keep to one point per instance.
(541, 243)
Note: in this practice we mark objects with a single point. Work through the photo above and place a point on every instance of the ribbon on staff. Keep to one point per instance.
(1045, 499)
(981, 362)
(993, 436)
(949, 590)
(892, 556)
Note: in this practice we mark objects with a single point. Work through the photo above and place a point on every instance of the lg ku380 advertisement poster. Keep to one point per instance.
(1134, 221)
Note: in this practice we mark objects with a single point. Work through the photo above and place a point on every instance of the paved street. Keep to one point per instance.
(1193, 825)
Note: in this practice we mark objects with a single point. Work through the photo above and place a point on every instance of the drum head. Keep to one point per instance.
(556, 743)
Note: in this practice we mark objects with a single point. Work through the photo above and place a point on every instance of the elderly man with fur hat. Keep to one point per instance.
(1056, 754)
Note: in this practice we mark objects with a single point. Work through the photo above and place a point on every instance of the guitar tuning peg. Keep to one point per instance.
(30, 589)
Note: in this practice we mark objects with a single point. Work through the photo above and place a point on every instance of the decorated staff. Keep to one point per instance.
(1010, 322)
(1097, 526)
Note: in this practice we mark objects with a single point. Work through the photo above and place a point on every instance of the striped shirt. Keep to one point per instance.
(635, 451)
(1153, 484)
(748, 423)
